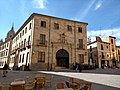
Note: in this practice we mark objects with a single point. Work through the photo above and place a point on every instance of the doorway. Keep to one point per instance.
(62, 57)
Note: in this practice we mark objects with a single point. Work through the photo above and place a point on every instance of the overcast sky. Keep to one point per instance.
(102, 16)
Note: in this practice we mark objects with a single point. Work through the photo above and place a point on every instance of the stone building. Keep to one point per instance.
(118, 55)
(47, 43)
(5, 48)
(104, 49)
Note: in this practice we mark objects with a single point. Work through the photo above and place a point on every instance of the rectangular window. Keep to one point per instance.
(81, 58)
(26, 30)
(56, 26)
(24, 42)
(23, 33)
(103, 55)
(113, 48)
(27, 58)
(43, 23)
(102, 47)
(29, 39)
(20, 35)
(42, 38)
(23, 58)
(118, 52)
(112, 41)
(20, 58)
(41, 56)
(80, 29)
(69, 28)
(30, 26)
(6, 53)
(80, 45)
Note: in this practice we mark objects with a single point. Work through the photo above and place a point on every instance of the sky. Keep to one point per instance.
(102, 16)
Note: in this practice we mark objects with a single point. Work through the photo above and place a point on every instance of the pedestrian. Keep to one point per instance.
(80, 68)
(5, 69)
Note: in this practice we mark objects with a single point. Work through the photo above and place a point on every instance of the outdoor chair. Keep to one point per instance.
(60, 86)
(30, 83)
(40, 81)
(17, 87)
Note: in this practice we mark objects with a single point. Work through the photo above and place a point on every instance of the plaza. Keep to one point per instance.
(101, 79)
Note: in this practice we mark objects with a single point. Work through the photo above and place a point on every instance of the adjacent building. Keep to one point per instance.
(118, 55)
(47, 43)
(102, 51)
(5, 48)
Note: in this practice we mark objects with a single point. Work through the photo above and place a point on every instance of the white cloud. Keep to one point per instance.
(107, 32)
(99, 4)
(80, 15)
(40, 4)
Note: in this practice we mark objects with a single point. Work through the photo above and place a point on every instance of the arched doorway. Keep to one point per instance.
(62, 57)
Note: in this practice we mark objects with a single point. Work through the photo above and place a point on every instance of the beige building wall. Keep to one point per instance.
(118, 55)
(21, 46)
(109, 50)
(53, 41)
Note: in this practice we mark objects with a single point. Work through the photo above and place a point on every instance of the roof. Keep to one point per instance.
(98, 41)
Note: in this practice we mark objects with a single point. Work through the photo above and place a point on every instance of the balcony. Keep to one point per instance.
(79, 47)
(28, 44)
(13, 51)
(42, 44)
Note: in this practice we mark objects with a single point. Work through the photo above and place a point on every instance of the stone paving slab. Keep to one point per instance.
(103, 75)
(104, 79)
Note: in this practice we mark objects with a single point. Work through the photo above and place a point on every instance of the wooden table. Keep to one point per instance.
(17, 85)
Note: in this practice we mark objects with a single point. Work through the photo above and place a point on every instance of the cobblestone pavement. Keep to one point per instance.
(110, 77)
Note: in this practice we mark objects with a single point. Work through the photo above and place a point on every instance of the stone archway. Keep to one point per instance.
(62, 57)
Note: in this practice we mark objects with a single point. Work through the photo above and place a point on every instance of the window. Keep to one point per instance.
(56, 26)
(80, 45)
(26, 30)
(113, 48)
(119, 52)
(6, 53)
(80, 29)
(81, 58)
(29, 39)
(27, 58)
(20, 35)
(43, 23)
(103, 55)
(69, 28)
(23, 58)
(20, 58)
(42, 38)
(102, 47)
(24, 41)
(41, 56)
(112, 41)
(106, 46)
(30, 26)
(23, 33)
